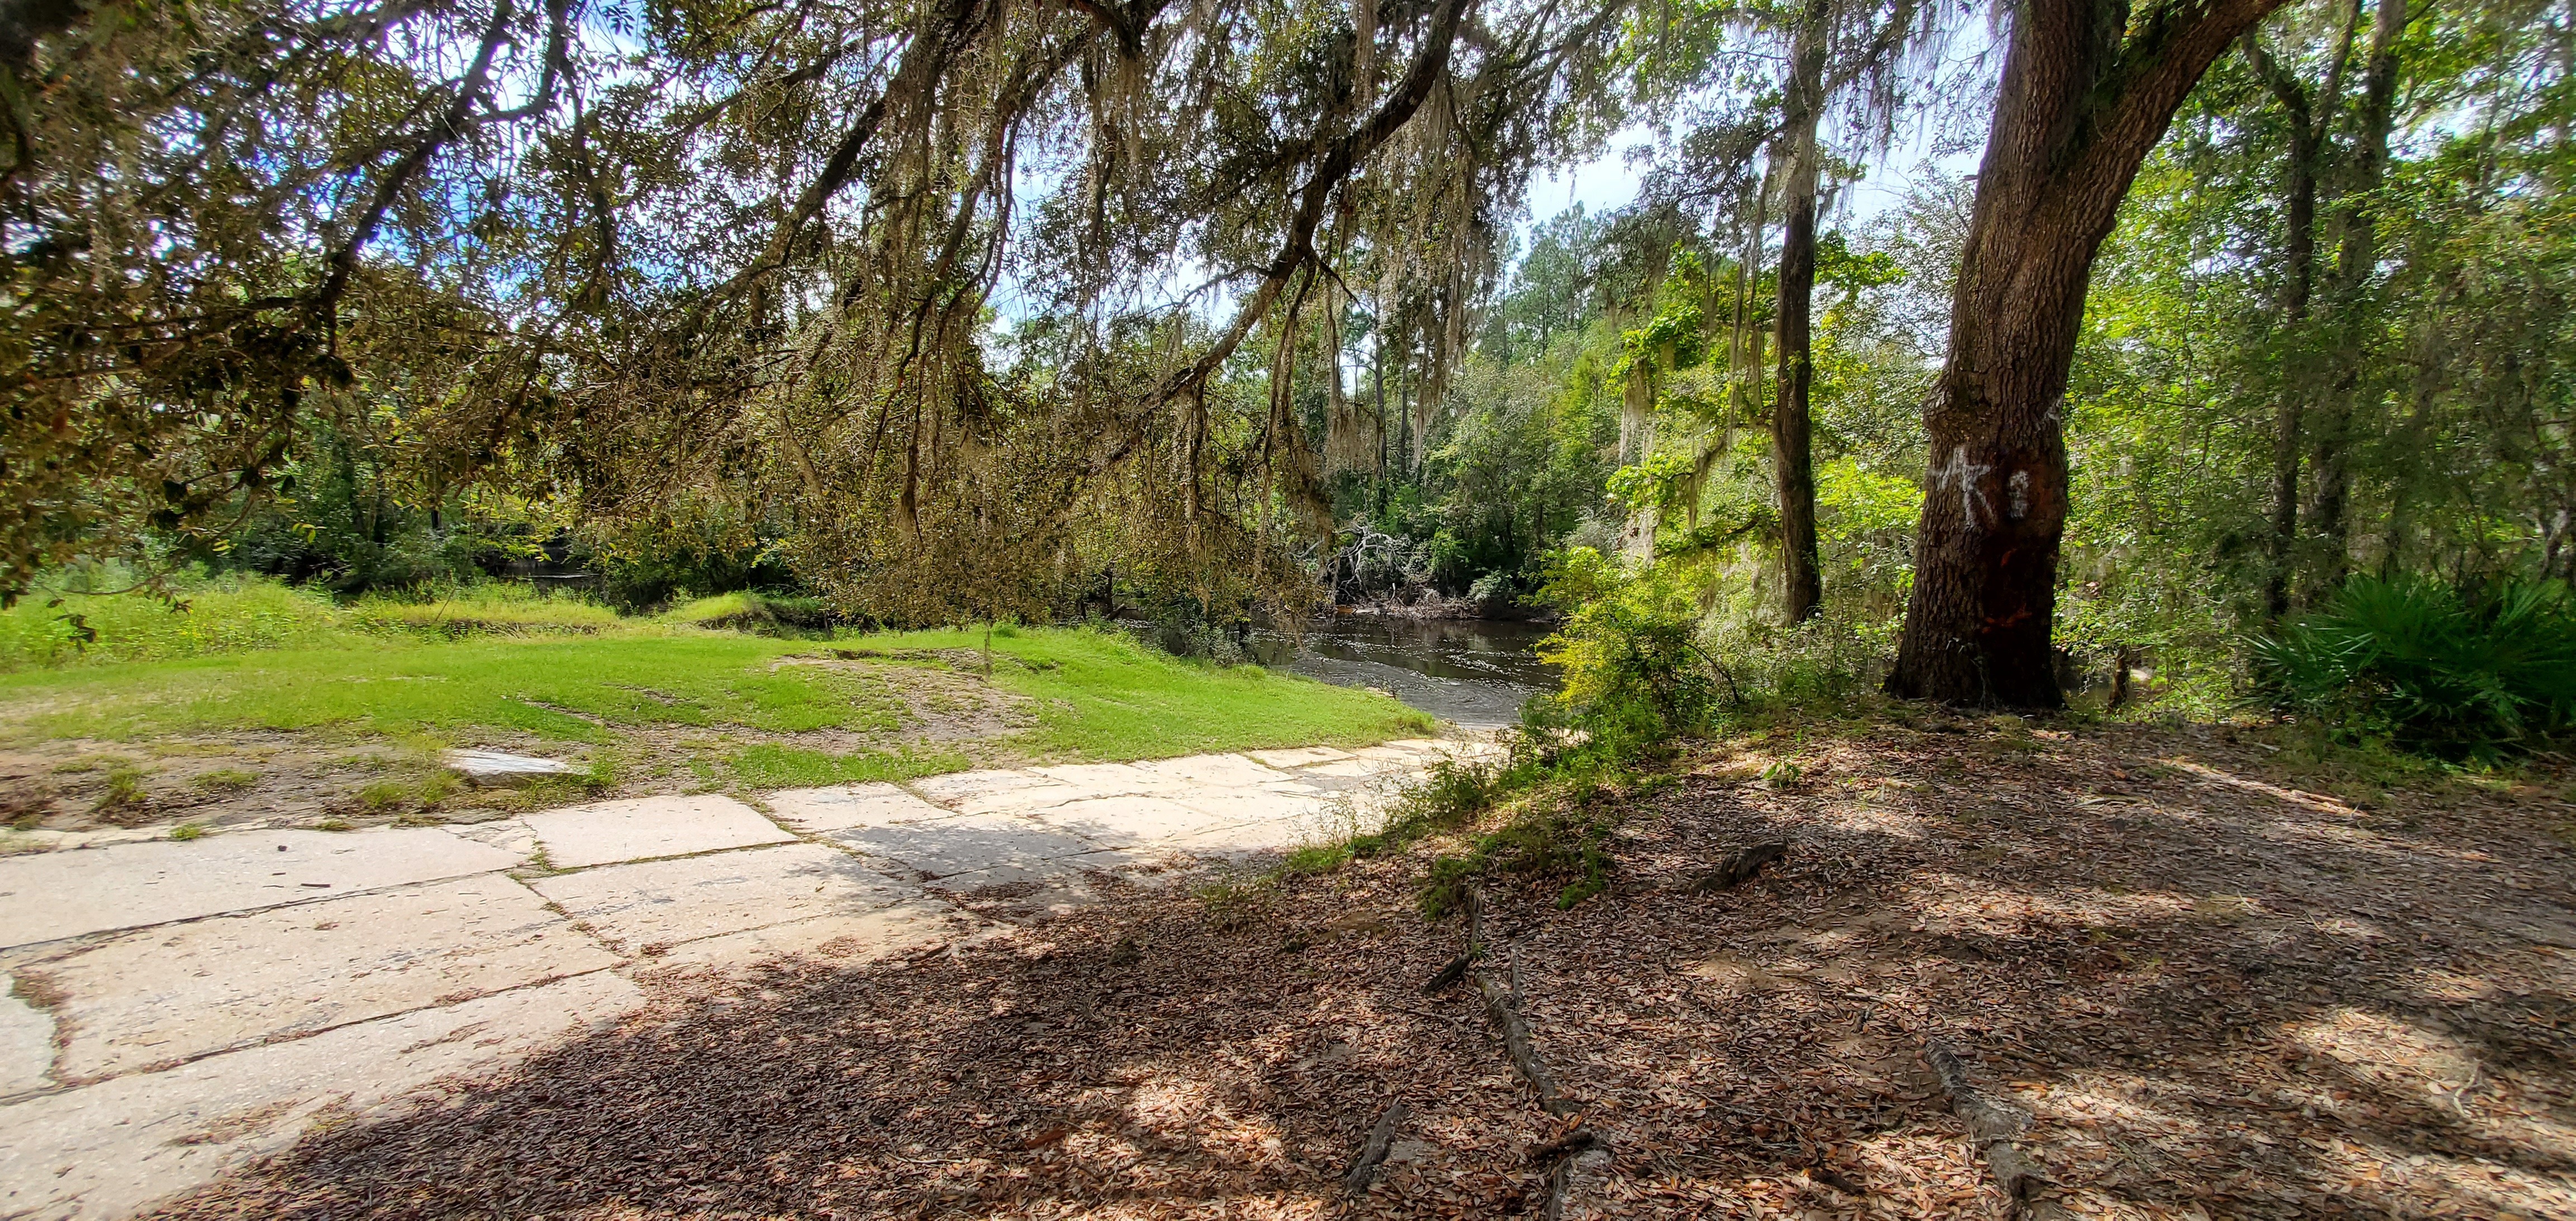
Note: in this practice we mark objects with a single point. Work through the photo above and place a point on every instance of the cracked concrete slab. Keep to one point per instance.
(510, 835)
(1214, 770)
(996, 792)
(1124, 822)
(50, 896)
(162, 995)
(842, 807)
(662, 903)
(1303, 756)
(317, 982)
(1227, 807)
(1275, 835)
(965, 843)
(1413, 752)
(26, 1042)
(1105, 779)
(840, 940)
(649, 827)
(111, 1149)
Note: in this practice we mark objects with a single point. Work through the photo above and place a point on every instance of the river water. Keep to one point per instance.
(1475, 672)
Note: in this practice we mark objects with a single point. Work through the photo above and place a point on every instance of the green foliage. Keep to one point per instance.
(1673, 339)
(61, 626)
(1447, 797)
(2457, 675)
(768, 765)
(1635, 671)
(483, 608)
(124, 787)
(226, 780)
(750, 611)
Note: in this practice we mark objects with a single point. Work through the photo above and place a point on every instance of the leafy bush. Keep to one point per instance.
(1635, 671)
(2451, 673)
(58, 624)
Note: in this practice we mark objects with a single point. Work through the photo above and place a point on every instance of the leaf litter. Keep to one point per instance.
(2205, 991)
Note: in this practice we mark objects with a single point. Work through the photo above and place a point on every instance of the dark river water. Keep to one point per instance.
(1476, 672)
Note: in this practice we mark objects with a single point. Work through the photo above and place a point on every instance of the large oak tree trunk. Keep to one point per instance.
(2082, 102)
(1793, 468)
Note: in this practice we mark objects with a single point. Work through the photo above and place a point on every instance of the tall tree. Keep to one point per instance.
(1794, 156)
(2356, 229)
(2311, 116)
(2087, 91)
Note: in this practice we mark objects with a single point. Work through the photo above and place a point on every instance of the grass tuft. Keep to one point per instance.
(226, 780)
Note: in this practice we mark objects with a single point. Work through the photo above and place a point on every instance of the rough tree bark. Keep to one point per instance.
(2311, 120)
(1793, 470)
(2087, 91)
(2356, 257)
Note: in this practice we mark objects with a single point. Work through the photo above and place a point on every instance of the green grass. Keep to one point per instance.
(220, 615)
(484, 666)
(770, 766)
(54, 628)
(487, 609)
(1099, 695)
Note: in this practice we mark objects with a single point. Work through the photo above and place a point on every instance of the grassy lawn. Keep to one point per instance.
(640, 699)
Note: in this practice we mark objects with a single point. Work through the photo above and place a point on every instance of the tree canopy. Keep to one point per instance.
(949, 310)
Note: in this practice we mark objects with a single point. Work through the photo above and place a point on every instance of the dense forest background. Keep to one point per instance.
(969, 311)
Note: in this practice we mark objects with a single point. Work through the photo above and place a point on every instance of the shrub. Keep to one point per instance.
(1630, 650)
(765, 614)
(59, 624)
(2452, 673)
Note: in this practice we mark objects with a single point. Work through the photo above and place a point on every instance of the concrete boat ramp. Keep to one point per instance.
(174, 1008)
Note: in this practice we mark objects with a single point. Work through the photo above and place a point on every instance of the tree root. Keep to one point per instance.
(1381, 1137)
(1738, 868)
(1992, 1125)
(1577, 1161)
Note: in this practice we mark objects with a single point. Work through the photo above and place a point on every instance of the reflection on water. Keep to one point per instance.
(1476, 672)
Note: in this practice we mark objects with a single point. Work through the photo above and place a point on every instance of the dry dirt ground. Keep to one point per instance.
(2213, 994)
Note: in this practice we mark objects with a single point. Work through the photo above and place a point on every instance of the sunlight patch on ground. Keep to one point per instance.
(1953, 904)
(2389, 1053)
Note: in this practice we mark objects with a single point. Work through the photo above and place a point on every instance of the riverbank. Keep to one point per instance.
(264, 707)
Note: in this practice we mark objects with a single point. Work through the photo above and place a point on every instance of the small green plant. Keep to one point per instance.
(439, 786)
(2455, 674)
(1317, 859)
(385, 795)
(1781, 774)
(1548, 839)
(226, 780)
(1447, 797)
(186, 831)
(124, 787)
(1236, 904)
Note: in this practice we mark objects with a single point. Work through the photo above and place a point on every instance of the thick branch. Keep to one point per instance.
(1339, 159)
(450, 125)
